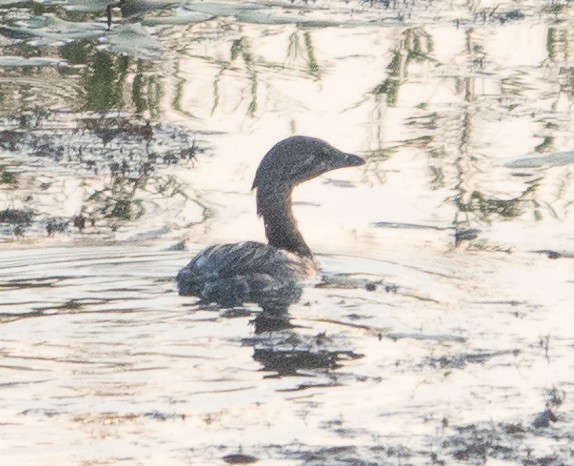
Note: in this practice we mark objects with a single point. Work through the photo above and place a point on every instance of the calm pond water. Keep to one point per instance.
(441, 332)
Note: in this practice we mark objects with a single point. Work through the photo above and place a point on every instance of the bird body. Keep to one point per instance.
(231, 274)
(267, 274)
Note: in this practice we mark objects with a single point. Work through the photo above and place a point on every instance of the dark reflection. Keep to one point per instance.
(136, 9)
(453, 138)
(448, 137)
(118, 138)
(272, 320)
(104, 82)
(285, 348)
(474, 204)
(125, 153)
(107, 83)
(465, 234)
(241, 50)
(483, 207)
(307, 51)
(78, 52)
(413, 45)
(291, 362)
(279, 348)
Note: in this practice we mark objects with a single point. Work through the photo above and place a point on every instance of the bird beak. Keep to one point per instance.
(348, 160)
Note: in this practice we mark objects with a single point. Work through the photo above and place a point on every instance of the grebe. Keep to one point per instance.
(267, 274)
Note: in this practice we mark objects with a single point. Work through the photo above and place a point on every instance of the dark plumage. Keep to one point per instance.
(267, 274)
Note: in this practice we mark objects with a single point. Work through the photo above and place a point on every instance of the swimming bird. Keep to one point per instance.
(267, 274)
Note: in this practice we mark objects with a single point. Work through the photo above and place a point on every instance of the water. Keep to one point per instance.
(440, 333)
(102, 361)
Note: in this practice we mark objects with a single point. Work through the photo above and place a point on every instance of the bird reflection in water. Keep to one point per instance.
(272, 275)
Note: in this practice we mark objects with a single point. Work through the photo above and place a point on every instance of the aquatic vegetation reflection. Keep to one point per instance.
(464, 111)
(240, 48)
(119, 160)
(295, 49)
(413, 45)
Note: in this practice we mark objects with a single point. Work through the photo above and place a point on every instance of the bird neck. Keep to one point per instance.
(274, 205)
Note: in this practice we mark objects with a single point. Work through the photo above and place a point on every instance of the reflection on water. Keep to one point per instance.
(447, 342)
(98, 349)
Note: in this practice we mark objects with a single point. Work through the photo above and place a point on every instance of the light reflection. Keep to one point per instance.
(464, 111)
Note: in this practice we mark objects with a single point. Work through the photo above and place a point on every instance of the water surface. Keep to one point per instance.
(440, 333)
